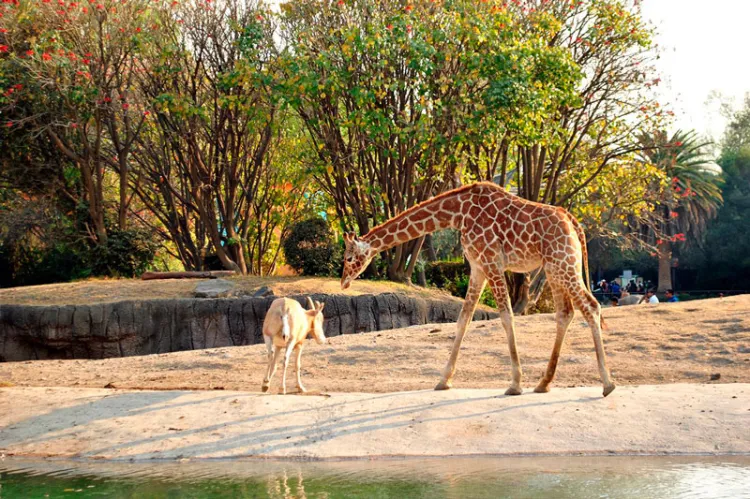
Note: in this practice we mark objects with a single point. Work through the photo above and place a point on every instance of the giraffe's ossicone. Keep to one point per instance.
(499, 232)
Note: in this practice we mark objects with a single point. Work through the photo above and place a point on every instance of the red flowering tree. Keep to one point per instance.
(691, 197)
(68, 73)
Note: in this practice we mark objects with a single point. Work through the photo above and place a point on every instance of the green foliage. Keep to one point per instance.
(311, 248)
(441, 273)
(693, 194)
(127, 253)
(460, 285)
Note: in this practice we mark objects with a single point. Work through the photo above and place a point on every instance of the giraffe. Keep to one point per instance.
(499, 232)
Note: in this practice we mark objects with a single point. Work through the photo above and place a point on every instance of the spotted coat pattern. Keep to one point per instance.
(499, 232)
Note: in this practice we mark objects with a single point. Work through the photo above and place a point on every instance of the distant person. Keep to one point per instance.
(671, 298)
(650, 297)
(632, 287)
(640, 288)
(614, 301)
(615, 289)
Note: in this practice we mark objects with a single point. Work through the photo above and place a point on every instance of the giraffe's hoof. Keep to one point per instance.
(609, 389)
(541, 388)
(444, 385)
(514, 391)
(264, 388)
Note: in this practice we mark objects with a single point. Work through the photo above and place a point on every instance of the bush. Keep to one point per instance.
(128, 253)
(311, 248)
(442, 274)
(460, 285)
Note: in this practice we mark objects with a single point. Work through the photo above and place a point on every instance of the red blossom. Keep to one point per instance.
(9, 124)
(389, 27)
(29, 53)
(340, 3)
(409, 8)
(3, 48)
(259, 17)
(46, 56)
(674, 214)
(146, 113)
(125, 106)
(86, 61)
(3, 30)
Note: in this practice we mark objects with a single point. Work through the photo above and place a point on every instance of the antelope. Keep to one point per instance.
(288, 325)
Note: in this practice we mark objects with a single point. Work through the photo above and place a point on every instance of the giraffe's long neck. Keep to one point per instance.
(440, 212)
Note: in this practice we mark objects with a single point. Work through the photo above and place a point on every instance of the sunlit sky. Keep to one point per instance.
(704, 46)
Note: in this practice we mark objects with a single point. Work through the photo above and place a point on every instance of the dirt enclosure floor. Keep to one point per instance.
(691, 342)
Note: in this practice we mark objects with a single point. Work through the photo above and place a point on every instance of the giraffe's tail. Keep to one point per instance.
(585, 255)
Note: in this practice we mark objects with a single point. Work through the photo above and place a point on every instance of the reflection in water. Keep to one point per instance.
(569, 477)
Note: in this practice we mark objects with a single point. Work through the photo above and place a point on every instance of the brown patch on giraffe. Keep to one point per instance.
(420, 215)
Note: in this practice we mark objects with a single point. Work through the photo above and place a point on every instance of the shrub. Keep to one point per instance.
(460, 285)
(441, 274)
(311, 248)
(127, 253)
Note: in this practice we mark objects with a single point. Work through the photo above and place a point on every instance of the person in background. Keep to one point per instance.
(632, 287)
(650, 297)
(615, 289)
(671, 298)
(614, 301)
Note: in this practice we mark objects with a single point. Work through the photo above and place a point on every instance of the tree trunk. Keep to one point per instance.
(123, 212)
(429, 247)
(665, 266)
(518, 289)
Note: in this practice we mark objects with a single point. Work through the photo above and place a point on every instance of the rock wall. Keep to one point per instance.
(157, 326)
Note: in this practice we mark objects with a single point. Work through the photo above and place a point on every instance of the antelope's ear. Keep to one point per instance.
(319, 306)
(348, 237)
(310, 303)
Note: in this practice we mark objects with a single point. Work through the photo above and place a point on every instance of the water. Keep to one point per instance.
(537, 477)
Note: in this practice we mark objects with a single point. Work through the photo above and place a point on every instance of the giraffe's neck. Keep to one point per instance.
(440, 212)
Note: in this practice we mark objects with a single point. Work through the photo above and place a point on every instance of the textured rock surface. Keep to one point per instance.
(214, 288)
(128, 328)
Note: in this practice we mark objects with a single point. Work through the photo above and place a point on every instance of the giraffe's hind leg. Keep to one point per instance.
(563, 316)
(589, 307)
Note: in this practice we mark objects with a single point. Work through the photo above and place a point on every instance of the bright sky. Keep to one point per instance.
(704, 46)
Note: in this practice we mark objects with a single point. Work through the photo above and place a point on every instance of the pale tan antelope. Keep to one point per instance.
(288, 325)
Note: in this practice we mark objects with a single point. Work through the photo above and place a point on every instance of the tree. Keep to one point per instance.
(71, 67)
(212, 164)
(394, 94)
(723, 260)
(692, 197)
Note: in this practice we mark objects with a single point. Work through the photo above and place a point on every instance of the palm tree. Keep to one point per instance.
(691, 198)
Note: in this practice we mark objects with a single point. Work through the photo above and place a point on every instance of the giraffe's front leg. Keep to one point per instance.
(476, 286)
(500, 290)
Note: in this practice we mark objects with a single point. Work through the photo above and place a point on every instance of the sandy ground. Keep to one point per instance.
(110, 290)
(667, 343)
(371, 395)
(121, 424)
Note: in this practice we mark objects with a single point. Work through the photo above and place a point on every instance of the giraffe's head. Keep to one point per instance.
(357, 257)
